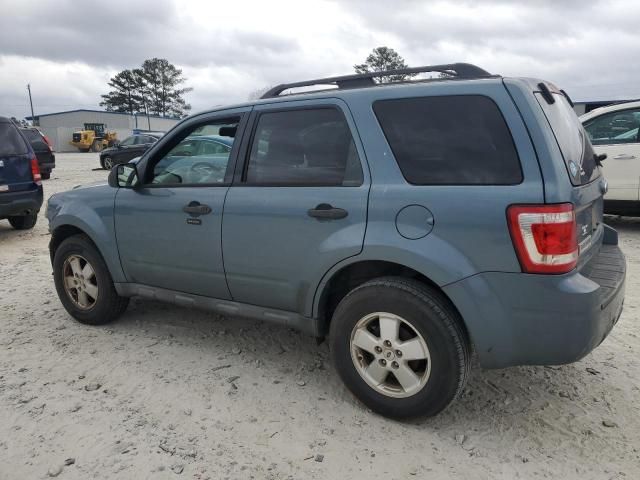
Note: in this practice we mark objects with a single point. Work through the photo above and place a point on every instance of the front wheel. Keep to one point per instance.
(400, 347)
(84, 284)
(107, 163)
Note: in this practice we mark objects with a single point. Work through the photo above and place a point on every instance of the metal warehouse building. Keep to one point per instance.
(60, 126)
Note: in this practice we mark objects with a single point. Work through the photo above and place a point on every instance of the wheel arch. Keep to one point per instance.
(63, 230)
(333, 289)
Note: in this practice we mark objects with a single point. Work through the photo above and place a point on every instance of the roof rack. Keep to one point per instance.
(456, 70)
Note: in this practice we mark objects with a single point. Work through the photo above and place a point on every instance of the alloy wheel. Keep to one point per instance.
(390, 354)
(80, 282)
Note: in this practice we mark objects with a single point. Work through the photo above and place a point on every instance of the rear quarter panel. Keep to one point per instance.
(470, 232)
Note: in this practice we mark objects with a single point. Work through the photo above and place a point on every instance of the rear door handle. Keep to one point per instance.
(327, 212)
(624, 156)
(196, 208)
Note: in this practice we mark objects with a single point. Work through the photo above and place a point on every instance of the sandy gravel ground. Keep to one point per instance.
(167, 393)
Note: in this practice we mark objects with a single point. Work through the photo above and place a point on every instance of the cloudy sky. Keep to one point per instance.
(229, 49)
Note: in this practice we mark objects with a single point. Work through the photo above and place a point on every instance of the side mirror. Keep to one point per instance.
(123, 176)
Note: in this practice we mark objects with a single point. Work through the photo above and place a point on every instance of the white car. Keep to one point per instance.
(614, 130)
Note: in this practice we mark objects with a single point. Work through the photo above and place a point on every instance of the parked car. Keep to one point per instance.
(20, 179)
(43, 150)
(613, 130)
(409, 223)
(129, 148)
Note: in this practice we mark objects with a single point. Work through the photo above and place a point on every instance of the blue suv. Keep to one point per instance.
(20, 178)
(410, 223)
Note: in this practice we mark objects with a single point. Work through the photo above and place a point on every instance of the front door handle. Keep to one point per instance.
(325, 211)
(196, 208)
(624, 156)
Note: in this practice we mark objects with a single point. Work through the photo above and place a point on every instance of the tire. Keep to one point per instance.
(420, 310)
(23, 222)
(45, 175)
(107, 163)
(107, 304)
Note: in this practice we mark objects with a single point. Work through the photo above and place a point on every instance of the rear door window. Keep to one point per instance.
(11, 142)
(35, 139)
(572, 139)
(304, 147)
(450, 140)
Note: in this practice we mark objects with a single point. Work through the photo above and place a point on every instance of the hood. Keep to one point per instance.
(81, 203)
(89, 185)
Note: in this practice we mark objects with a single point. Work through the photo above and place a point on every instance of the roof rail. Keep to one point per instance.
(456, 70)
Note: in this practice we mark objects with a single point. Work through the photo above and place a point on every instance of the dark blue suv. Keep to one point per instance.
(20, 179)
(409, 223)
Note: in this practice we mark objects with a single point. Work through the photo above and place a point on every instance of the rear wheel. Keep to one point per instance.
(400, 347)
(23, 222)
(45, 175)
(84, 284)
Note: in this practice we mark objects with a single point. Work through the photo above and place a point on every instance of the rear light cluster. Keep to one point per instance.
(35, 171)
(48, 142)
(544, 237)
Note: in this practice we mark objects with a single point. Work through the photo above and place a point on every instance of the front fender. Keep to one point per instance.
(94, 217)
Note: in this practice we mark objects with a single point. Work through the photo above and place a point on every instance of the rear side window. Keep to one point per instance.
(35, 139)
(450, 140)
(11, 142)
(309, 147)
(31, 135)
(572, 139)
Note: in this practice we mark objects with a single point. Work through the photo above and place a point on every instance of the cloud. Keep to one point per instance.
(68, 50)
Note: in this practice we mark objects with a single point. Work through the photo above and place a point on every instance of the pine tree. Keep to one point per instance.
(381, 59)
(154, 88)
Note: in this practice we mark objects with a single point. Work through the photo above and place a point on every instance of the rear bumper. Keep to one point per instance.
(47, 167)
(521, 319)
(20, 203)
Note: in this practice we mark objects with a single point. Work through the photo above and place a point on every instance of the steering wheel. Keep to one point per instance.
(204, 168)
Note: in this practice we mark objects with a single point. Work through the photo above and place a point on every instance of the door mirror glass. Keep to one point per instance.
(124, 176)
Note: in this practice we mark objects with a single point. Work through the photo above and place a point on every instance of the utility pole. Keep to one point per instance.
(33, 118)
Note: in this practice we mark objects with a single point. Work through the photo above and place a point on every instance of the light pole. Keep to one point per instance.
(33, 118)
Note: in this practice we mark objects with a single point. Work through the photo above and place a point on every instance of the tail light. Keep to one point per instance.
(35, 171)
(544, 237)
(48, 142)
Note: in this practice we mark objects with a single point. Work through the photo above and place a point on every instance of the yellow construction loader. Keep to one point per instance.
(93, 138)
